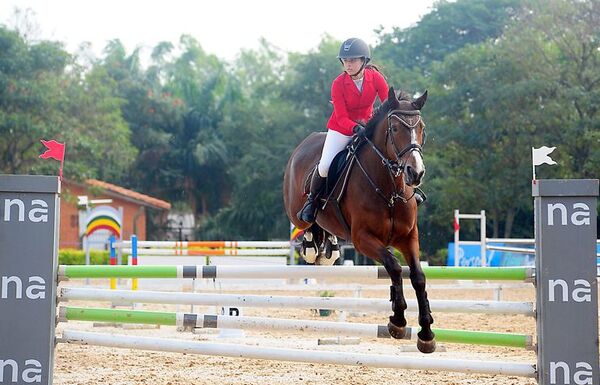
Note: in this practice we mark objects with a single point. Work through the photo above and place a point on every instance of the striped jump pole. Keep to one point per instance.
(192, 320)
(210, 252)
(207, 244)
(262, 272)
(113, 262)
(134, 259)
(299, 355)
(295, 302)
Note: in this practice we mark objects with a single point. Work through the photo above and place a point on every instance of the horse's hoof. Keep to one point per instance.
(397, 332)
(324, 261)
(310, 255)
(426, 346)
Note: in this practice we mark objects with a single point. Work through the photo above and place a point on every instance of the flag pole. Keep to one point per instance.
(62, 160)
(532, 163)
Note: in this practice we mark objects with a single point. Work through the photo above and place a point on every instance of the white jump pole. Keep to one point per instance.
(298, 355)
(211, 252)
(483, 231)
(220, 244)
(351, 304)
(456, 238)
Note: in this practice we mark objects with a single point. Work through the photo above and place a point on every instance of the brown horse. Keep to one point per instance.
(372, 202)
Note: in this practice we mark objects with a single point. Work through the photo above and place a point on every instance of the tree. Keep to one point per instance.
(558, 47)
(198, 152)
(45, 94)
(449, 27)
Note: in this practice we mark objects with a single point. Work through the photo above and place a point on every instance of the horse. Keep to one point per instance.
(371, 204)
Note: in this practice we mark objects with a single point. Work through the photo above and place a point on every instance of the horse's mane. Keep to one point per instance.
(382, 111)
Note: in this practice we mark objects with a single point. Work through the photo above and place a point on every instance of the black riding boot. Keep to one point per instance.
(420, 196)
(309, 210)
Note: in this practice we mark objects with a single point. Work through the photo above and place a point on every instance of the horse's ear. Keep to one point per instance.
(420, 102)
(392, 99)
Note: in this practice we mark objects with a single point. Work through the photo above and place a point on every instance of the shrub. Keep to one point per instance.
(77, 257)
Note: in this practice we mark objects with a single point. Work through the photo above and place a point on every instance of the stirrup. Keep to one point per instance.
(420, 196)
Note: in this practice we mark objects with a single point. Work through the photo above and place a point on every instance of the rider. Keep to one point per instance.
(353, 93)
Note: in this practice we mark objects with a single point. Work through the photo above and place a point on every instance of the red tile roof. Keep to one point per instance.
(148, 200)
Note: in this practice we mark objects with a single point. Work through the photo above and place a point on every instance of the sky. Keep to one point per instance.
(221, 27)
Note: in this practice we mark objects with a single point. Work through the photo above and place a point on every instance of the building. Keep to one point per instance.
(133, 205)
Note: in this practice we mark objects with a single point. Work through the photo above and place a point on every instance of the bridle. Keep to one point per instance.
(413, 146)
(395, 167)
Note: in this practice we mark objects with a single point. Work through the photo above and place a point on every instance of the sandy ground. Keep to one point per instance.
(76, 364)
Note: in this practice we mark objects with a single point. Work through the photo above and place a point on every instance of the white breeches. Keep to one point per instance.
(334, 143)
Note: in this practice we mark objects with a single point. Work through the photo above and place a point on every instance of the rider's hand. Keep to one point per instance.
(359, 131)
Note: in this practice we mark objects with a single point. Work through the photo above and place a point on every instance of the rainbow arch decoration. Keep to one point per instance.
(104, 218)
(295, 233)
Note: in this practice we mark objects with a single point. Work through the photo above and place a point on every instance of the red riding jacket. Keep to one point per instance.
(350, 105)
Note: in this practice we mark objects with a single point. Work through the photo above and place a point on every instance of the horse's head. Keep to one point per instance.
(405, 134)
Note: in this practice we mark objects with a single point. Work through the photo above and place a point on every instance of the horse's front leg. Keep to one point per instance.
(309, 250)
(397, 324)
(377, 251)
(332, 251)
(425, 340)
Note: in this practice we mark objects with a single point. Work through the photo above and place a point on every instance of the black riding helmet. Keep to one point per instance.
(353, 48)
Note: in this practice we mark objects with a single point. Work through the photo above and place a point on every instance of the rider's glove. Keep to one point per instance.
(359, 131)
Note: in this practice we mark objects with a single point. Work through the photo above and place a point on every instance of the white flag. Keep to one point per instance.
(540, 155)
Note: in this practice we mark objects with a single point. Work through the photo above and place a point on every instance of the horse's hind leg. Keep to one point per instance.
(332, 251)
(425, 340)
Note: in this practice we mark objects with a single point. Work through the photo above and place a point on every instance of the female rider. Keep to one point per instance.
(353, 93)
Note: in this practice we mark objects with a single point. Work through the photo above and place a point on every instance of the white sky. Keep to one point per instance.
(222, 27)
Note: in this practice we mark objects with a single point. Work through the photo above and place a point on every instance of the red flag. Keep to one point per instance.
(456, 225)
(56, 151)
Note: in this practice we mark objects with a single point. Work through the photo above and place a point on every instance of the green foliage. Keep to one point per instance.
(439, 258)
(77, 257)
(46, 95)
(449, 27)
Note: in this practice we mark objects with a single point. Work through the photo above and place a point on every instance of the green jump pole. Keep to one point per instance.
(105, 271)
(263, 272)
(483, 338)
(119, 316)
(170, 319)
(478, 273)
